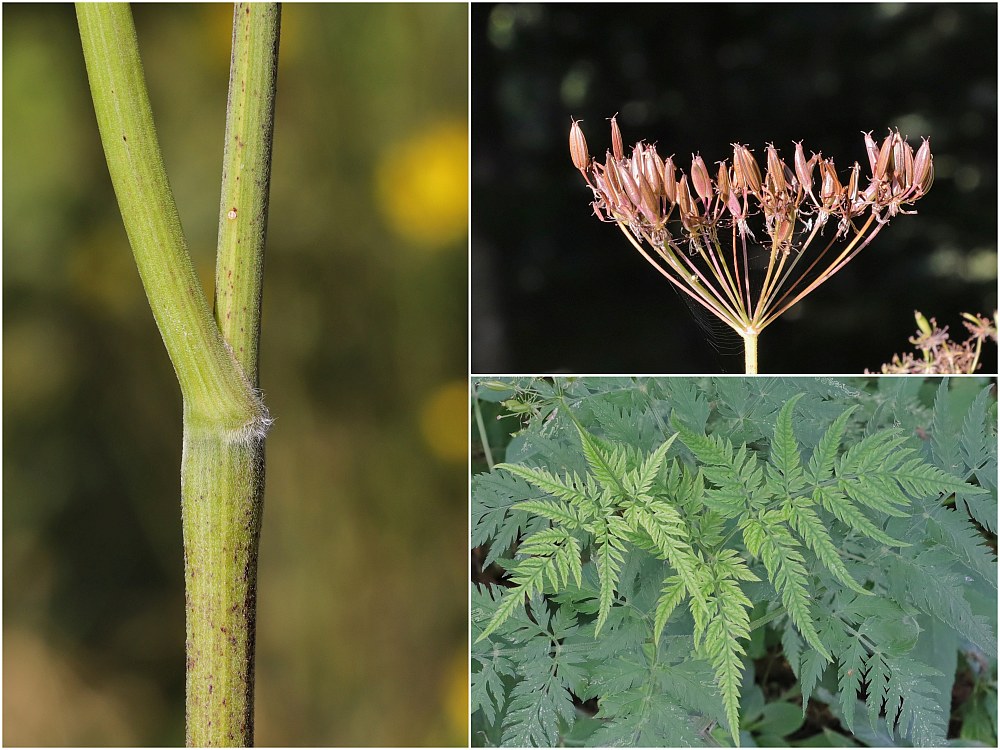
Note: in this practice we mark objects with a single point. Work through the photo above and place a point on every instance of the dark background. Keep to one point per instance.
(555, 290)
(363, 601)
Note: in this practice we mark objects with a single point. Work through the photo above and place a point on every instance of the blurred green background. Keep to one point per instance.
(362, 629)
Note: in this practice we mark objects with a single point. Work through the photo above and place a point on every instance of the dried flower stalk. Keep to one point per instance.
(680, 223)
(939, 355)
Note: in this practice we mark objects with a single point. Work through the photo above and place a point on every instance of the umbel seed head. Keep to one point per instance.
(686, 218)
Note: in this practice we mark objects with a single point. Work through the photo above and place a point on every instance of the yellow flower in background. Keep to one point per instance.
(444, 421)
(422, 185)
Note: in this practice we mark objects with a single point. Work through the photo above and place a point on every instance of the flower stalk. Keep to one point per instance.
(749, 245)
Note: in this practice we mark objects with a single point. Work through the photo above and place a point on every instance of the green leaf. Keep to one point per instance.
(852, 674)
(606, 463)
(722, 647)
(642, 718)
(922, 718)
(651, 468)
(844, 510)
(569, 489)
(610, 555)
(926, 581)
(809, 527)
(769, 539)
(821, 462)
(673, 594)
(785, 449)
(561, 513)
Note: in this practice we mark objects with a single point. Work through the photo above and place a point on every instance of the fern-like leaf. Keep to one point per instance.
(926, 580)
(563, 551)
(640, 718)
(561, 513)
(846, 513)
(921, 717)
(785, 450)
(647, 473)
(810, 528)
(571, 488)
(871, 453)
(555, 556)
(610, 550)
(853, 671)
(672, 595)
(735, 473)
(920, 479)
(607, 464)
(711, 450)
(976, 449)
(825, 454)
(487, 688)
(944, 443)
(954, 532)
(669, 536)
(769, 539)
(722, 647)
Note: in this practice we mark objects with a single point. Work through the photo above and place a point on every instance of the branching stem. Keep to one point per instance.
(225, 421)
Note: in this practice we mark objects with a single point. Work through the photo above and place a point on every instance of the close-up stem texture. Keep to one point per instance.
(188, 251)
(748, 245)
(225, 421)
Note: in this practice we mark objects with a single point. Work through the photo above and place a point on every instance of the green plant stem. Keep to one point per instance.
(222, 488)
(750, 351)
(246, 176)
(215, 390)
(222, 482)
(225, 421)
(482, 430)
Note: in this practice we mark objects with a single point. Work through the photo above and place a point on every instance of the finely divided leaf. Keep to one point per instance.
(809, 527)
(785, 449)
(569, 488)
(822, 460)
(768, 538)
(647, 473)
(844, 510)
(610, 551)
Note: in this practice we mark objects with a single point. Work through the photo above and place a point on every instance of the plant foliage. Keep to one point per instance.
(654, 525)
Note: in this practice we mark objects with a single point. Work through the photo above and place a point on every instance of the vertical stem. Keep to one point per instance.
(246, 177)
(222, 480)
(222, 485)
(482, 430)
(750, 351)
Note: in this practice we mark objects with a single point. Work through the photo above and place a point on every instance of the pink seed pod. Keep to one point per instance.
(616, 139)
(746, 170)
(578, 147)
(722, 182)
(872, 148)
(700, 179)
(775, 170)
(923, 167)
(670, 179)
(883, 165)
